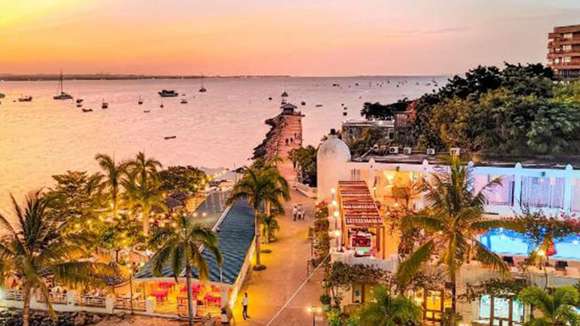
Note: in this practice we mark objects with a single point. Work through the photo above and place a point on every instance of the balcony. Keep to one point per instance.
(348, 257)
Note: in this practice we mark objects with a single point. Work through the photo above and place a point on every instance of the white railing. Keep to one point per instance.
(306, 190)
(348, 257)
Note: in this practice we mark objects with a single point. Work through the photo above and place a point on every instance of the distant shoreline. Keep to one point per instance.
(53, 77)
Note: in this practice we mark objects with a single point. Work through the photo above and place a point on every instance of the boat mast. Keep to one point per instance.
(61, 77)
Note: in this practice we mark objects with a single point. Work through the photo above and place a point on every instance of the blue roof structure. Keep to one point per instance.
(235, 233)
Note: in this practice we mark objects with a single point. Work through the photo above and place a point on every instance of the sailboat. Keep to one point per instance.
(104, 105)
(202, 89)
(140, 101)
(62, 95)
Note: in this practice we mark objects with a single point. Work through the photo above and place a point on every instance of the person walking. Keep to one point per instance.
(294, 212)
(245, 302)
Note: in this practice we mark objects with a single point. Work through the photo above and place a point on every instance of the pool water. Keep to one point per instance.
(511, 243)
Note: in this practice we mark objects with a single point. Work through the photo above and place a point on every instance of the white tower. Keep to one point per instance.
(331, 164)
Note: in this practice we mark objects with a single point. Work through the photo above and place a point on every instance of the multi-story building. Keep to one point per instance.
(564, 51)
(363, 193)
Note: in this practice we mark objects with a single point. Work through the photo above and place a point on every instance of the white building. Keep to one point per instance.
(552, 187)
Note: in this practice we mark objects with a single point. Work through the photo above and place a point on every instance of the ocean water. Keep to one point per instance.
(218, 128)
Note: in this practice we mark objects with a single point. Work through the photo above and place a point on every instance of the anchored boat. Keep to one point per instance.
(62, 95)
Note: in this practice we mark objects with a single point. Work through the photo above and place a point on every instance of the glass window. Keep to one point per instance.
(576, 195)
(543, 192)
(502, 314)
(496, 195)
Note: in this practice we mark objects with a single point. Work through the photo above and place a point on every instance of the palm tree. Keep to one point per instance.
(142, 187)
(269, 227)
(388, 310)
(557, 308)
(452, 222)
(113, 176)
(180, 246)
(264, 188)
(36, 248)
(145, 168)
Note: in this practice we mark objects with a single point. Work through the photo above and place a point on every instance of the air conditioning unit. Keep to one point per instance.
(454, 151)
(431, 151)
(407, 150)
(394, 150)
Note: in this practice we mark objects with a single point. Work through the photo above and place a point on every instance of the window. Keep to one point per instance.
(542, 192)
(576, 195)
(567, 47)
(355, 175)
(567, 59)
(497, 195)
(502, 311)
(567, 35)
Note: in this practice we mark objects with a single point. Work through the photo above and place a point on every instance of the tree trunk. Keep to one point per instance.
(189, 295)
(257, 235)
(26, 307)
(453, 299)
(145, 216)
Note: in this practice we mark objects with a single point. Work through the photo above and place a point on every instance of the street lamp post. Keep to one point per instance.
(314, 310)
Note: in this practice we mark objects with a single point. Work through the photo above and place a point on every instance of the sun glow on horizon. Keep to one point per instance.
(265, 37)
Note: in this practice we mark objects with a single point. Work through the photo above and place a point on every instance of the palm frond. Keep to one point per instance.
(409, 268)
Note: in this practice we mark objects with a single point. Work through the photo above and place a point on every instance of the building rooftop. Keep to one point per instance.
(236, 233)
(539, 162)
(357, 206)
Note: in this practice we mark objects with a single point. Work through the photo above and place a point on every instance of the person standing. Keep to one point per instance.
(245, 301)
(294, 212)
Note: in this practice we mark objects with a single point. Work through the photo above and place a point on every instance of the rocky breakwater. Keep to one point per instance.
(13, 317)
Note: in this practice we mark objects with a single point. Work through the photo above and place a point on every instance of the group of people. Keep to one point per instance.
(298, 212)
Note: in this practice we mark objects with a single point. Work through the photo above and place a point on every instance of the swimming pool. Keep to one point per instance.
(511, 243)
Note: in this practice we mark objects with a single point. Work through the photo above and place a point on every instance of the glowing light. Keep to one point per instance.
(333, 190)
(337, 233)
(334, 203)
(335, 214)
(541, 253)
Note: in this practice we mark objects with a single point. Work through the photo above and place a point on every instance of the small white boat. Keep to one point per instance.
(183, 101)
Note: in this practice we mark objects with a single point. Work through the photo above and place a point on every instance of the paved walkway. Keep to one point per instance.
(269, 290)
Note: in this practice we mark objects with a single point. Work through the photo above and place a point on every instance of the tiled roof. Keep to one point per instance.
(236, 232)
(357, 205)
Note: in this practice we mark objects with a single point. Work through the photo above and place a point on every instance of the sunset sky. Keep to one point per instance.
(297, 37)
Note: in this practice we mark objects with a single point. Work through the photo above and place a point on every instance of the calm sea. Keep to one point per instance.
(218, 128)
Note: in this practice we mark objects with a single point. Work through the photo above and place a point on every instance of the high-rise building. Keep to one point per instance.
(564, 51)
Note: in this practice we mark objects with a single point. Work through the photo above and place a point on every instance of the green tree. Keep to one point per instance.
(180, 247)
(389, 310)
(35, 249)
(557, 308)
(182, 179)
(304, 160)
(113, 175)
(142, 187)
(264, 189)
(453, 223)
(76, 197)
(269, 227)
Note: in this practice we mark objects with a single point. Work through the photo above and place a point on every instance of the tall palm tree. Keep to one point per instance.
(36, 247)
(269, 227)
(113, 175)
(388, 310)
(142, 187)
(452, 222)
(264, 188)
(143, 198)
(557, 308)
(180, 247)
